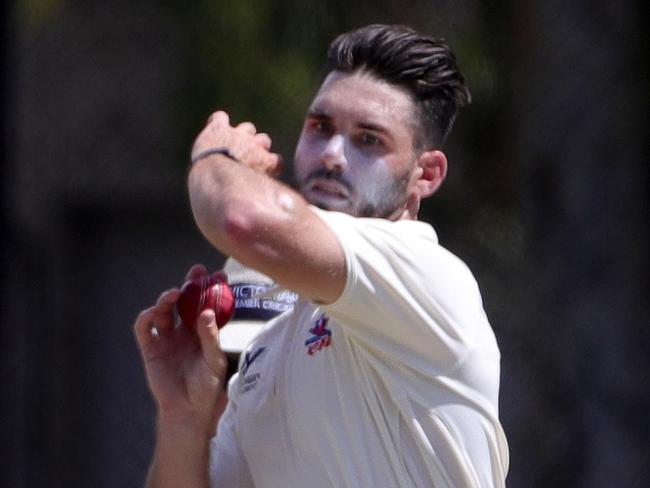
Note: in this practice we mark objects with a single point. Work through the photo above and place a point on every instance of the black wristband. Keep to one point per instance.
(224, 151)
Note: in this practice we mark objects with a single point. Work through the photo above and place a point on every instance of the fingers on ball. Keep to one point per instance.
(196, 271)
(144, 324)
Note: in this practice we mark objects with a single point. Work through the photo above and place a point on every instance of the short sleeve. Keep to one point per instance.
(228, 467)
(405, 294)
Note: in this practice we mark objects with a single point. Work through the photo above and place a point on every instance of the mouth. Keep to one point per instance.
(328, 188)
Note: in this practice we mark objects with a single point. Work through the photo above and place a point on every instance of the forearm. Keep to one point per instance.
(267, 226)
(247, 214)
(240, 211)
(180, 457)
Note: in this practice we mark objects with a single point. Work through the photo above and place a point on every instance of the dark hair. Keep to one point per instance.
(422, 64)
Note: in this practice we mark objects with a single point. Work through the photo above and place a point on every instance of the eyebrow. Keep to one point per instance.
(315, 113)
(320, 114)
(374, 127)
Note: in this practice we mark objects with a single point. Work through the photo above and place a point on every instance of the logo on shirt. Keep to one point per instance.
(322, 336)
(250, 381)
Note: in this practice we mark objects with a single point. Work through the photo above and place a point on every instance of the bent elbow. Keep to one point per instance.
(223, 225)
(245, 228)
(238, 224)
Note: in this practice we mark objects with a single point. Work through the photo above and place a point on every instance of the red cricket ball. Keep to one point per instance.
(206, 292)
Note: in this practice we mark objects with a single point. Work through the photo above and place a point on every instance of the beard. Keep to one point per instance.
(385, 199)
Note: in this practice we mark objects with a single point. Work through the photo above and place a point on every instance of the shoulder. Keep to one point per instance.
(379, 233)
(413, 242)
(342, 219)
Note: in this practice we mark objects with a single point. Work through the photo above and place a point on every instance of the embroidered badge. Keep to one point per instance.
(322, 336)
(250, 381)
(249, 358)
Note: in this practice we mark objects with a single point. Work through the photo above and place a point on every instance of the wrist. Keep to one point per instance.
(221, 150)
(181, 455)
(193, 427)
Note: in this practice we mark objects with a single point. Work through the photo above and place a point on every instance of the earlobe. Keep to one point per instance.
(434, 171)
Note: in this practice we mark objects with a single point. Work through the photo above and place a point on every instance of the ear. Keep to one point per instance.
(434, 171)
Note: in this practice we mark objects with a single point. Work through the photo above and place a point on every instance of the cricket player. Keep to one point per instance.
(386, 371)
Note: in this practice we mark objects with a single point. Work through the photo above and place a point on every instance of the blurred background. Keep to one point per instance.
(547, 200)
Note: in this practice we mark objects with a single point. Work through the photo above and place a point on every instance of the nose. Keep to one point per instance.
(333, 156)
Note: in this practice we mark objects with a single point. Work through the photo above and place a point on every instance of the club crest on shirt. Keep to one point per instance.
(250, 381)
(322, 335)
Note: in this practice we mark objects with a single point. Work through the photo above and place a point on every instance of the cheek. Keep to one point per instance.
(382, 170)
(303, 159)
(373, 183)
(371, 173)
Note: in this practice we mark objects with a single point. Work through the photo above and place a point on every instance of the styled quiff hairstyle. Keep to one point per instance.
(423, 65)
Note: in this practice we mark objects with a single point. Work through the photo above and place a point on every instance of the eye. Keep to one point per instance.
(320, 126)
(369, 139)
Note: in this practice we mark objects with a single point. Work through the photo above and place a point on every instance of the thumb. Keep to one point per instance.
(208, 332)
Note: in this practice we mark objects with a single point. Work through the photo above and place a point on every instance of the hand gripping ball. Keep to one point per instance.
(199, 294)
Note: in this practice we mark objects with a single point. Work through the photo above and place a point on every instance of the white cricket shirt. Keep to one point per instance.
(393, 385)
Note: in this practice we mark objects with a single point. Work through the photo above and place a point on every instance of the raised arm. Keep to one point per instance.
(247, 214)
